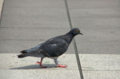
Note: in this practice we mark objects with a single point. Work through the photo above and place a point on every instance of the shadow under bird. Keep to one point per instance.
(52, 48)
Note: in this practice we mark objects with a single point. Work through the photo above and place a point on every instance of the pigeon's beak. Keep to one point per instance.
(81, 33)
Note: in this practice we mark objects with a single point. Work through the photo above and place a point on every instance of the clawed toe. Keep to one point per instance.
(44, 66)
(62, 66)
(41, 64)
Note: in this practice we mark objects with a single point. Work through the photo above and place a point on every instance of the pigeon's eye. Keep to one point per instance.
(77, 31)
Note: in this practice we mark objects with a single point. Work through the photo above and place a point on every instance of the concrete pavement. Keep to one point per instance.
(26, 23)
(97, 19)
(94, 67)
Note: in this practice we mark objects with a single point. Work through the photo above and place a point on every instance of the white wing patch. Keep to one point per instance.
(53, 45)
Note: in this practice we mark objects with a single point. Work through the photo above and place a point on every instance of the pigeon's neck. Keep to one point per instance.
(70, 34)
(69, 37)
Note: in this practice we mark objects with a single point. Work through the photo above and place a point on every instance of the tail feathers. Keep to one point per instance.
(23, 54)
(23, 51)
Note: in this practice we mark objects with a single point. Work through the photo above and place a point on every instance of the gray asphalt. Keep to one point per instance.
(26, 23)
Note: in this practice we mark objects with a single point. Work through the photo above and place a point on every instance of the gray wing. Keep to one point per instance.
(34, 49)
(55, 48)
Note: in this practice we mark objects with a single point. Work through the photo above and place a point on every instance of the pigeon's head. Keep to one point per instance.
(75, 31)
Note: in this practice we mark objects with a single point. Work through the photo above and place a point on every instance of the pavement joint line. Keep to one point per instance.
(74, 42)
(2, 11)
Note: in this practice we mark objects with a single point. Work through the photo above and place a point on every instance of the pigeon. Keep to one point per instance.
(52, 48)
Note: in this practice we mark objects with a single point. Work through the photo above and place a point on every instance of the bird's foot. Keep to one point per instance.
(37, 62)
(62, 66)
(41, 65)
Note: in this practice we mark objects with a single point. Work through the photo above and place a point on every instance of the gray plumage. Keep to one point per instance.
(53, 47)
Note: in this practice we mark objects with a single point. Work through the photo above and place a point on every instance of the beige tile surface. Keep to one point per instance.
(94, 66)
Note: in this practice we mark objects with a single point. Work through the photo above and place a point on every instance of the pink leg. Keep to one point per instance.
(40, 63)
(58, 65)
(62, 66)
